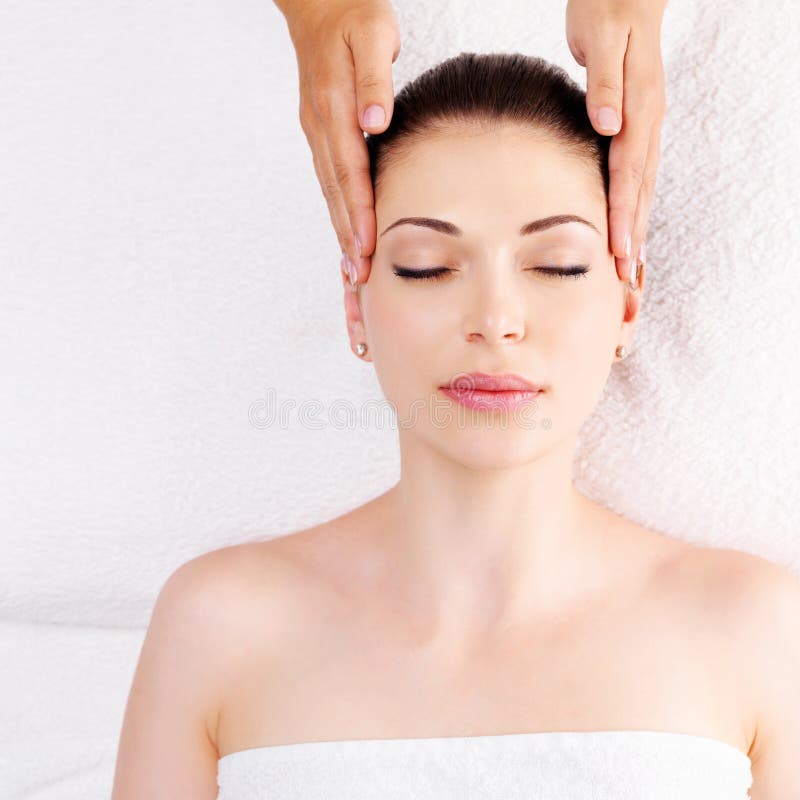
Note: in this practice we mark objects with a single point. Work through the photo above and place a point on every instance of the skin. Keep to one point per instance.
(482, 594)
(619, 43)
(345, 50)
(486, 522)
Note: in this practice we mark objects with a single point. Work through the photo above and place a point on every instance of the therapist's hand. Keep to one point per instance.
(345, 50)
(619, 43)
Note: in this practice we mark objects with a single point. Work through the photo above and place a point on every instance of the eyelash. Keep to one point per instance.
(574, 271)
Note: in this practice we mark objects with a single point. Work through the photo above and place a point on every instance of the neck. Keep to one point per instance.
(474, 550)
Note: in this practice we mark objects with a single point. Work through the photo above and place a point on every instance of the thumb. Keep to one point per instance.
(604, 71)
(373, 57)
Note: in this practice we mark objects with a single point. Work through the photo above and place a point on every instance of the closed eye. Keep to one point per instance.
(431, 273)
(572, 271)
(437, 273)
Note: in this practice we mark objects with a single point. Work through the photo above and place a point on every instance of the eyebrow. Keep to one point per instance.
(528, 228)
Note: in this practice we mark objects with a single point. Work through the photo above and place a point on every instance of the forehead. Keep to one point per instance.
(480, 179)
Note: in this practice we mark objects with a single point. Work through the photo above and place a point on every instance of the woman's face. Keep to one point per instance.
(495, 311)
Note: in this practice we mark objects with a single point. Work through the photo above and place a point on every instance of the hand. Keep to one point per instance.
(345, 51)
(618, 41)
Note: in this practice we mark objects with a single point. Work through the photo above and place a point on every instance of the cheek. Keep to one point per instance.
(588, 329)
(404, 336)
(580, 356)
(398, 321)
(588, 319)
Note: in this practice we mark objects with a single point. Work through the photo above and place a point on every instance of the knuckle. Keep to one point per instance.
(329, 186)
(609, 83)
(369, 80)
(649, 183)
(626, 195)
(643, 99)
(328, 189)
(343, 174)
(322, 100)
(621, 201)
(635, 170)
(627, 171)
(325, 185)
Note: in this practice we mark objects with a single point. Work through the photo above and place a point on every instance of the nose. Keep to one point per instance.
(496, 313)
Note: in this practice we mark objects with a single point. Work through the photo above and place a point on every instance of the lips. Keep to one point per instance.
(484, 392)
(484, 382)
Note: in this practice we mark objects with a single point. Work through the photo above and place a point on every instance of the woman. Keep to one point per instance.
(481, 629)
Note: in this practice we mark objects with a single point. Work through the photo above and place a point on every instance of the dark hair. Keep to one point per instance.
(486, 89)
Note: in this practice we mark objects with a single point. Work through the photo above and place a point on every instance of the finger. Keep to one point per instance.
(327, 180)
(646, 194)
(374, 51)
(628, 150)
(374, 47)
(604, 59)
(349, 163)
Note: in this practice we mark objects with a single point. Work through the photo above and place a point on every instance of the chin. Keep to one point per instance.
(493, 448)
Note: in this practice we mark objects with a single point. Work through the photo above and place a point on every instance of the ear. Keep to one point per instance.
(631, 303)
(356, 331)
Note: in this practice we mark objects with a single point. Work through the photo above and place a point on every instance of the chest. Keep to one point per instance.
(349, 677)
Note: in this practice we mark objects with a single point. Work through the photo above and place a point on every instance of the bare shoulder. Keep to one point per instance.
(763, 599)
(754, 605)
(233, 602)
(216, 596)
(741, 585)
(167, 745)
(750, 599)
(219, 574)
(230, 583)
(273, 583)
(289, 573)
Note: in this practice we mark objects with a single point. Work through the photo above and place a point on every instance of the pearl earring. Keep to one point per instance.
(621, 351)
(361, 348)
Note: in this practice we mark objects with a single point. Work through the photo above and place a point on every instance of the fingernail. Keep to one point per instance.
(608, 119)
(351, 270)
(628, 245)
(634, 279)
(358, 245)
(642, 253)
(374, 115)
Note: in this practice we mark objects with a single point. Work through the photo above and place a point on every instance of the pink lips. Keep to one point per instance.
(482, 391)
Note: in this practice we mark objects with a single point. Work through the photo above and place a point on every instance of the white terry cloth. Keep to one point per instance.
(567, 765)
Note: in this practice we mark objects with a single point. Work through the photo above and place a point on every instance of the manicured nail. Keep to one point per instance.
(634, 279)
(351, 270)
(608, 119)
(642, 253)
(373, 116)
(358, 245)
(628, 245)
